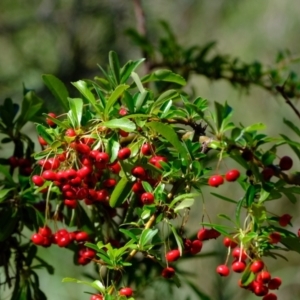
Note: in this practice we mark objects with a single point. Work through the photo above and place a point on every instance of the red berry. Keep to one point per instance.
(45, 231)
(285, 163)
(81, 236)
(284, 220)
(63, 240)
(96, 297)
(109, 183)
(89, 253)
(37, 239)
(147, 198)
(236, 253)
(83, 148)
(37, 180)
(49, 175)
(54, 162)
(270, 296)
(267, 173)
(238, 266)
(124, 153)
(13, 161)
(232, 175)
(127, 291)
(123, 133)
(103, 158)
(115, 167)
(264, 276)
(49, 121)
(196, 247)
(223, 270)
(203, 234)
(84, 171)
(172, 255)
(229, 242)
(147, 149)
(156, 161)
(122, 111)
(138, 188)
(260, 290)
(213, 233)
(274, 283)
(71, 203)
(274, 237)
(168, 272)
(70, 132)
(102, 195)
(215, 180)
(139, 172)
(257, 266)
(42, 141)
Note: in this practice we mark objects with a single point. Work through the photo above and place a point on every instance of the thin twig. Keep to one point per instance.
(280, 89)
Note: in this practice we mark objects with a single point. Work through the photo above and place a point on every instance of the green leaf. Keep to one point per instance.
(8, 221)
(170, 135)
(292, 126)
(148, 188)
(255, 127)
(114, 65)
(42, 131)
(129, 234)
(32, 106)
(178, 239)
(238, 210)
(247, 276)
(292, 243)
(166, 96)
(97, 285)
(290, 196)
(128, 68)
(259, 212)
(123, 123)
(120, 192)
(5, 172)
(3, 193)
(184, 204)
(223, 113)
(83, 88)
(76, 106)
(250, 195)
(164, 75)
(182, 197)
(201, 295)
(147, 236)
(119, 90)
(224, 198)
(58, 89)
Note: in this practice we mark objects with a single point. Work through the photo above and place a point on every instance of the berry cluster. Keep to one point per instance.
(260, 282)
(24, 165)
(216, 180)
(63, 238)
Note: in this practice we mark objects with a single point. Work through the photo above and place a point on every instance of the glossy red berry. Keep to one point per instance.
(109, 183)
(13, 161)
(147, 149)
(127, 291)
(49, 175)
(168, 272)
(37, 180)
(203, 234)
(138, 188)
(115, 167)
(37, 239)
(195, 247)
(285, 163)
(81, 236)
(156, 161)
(96, 297)
(229, 242)
(45, 231)
(124, 153)
(270, 296)
(223, 270)
(263, 276)
(122, 111)
(257, 266)
(71, 203)
(215, 180)
(238, 266)
(70, 132)
(274, 237)
(49, 121)
(139, 172)
(42, 141)
(274, 283)
(232, 175)
(236, 253)
(147, 198)
(284, 220)
(260, 290)
(172, 255)
(83, 148)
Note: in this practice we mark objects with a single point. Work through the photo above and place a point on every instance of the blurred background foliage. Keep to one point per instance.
(69, 38)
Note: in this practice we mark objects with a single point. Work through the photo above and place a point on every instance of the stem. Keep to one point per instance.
(280, 89)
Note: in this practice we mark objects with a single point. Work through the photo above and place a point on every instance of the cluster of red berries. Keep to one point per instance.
(262, 283)
(192, 247)
(125, 291)
(63, 238)
(216, 180)
(24, 165)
